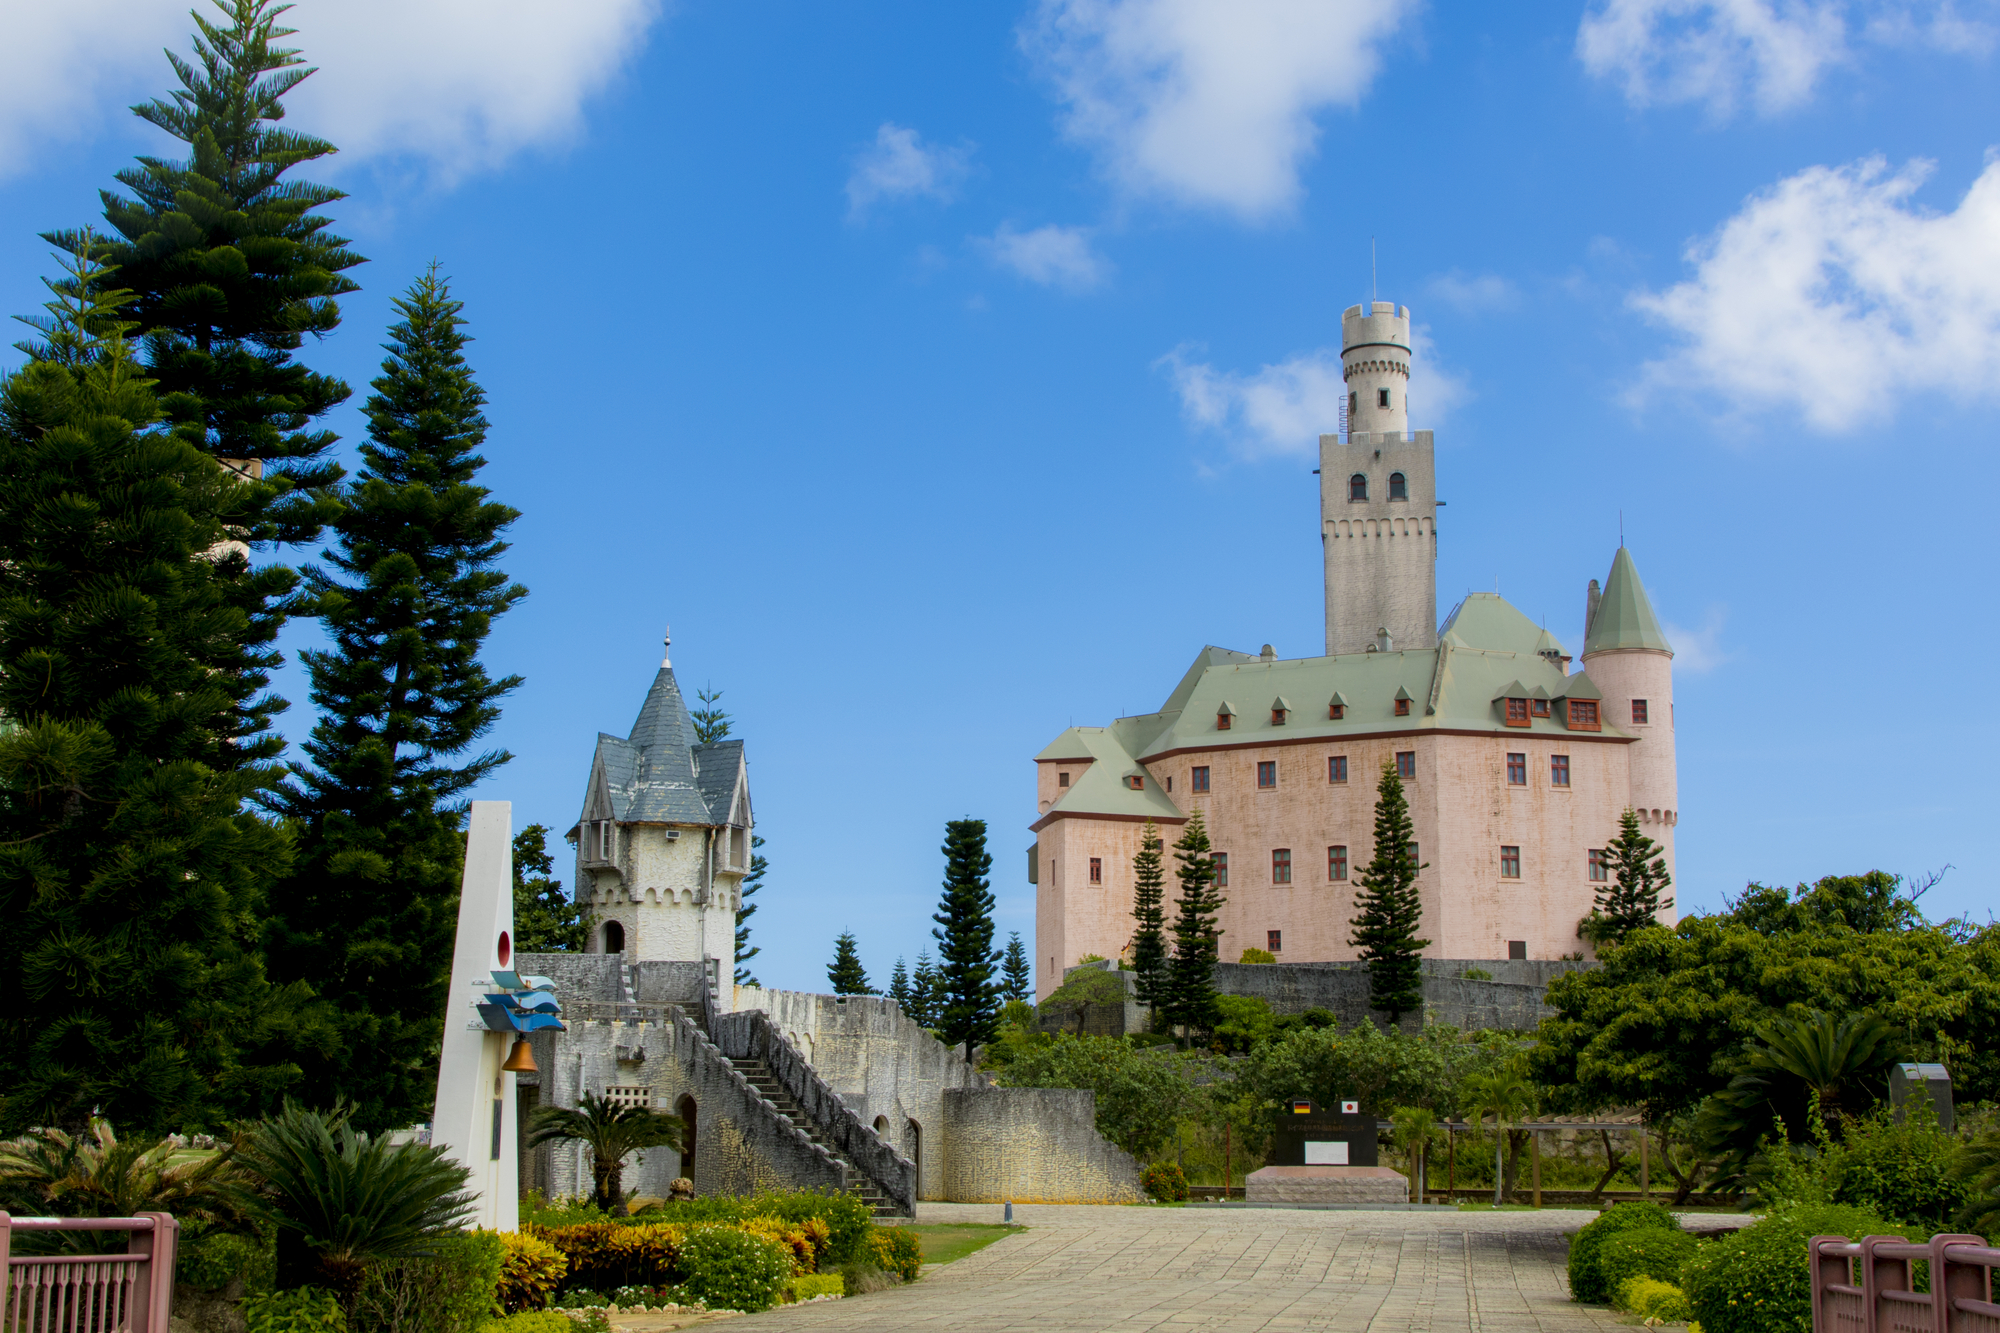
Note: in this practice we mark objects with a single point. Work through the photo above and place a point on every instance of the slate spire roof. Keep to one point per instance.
(659, 775)
(1624, 617)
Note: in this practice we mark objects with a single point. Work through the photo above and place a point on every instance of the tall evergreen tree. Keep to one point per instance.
(745, 909)
(711, 724)
(132, 877)
(1017, 981)
(1188, 999)
(1390, 911)
(845, 972)
(409, 597)
(899, 986)
(925, 1000)
(968, 1011)
(1149, 941)
(545, 918)
(1638, 878)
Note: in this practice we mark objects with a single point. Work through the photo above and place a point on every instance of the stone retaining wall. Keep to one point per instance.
(1032, 1145)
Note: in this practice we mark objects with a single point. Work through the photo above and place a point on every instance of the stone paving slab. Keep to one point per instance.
(1098, 1269)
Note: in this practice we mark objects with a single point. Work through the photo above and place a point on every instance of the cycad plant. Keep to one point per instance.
(342, 1200)
(613, 1131)
(52, 1173)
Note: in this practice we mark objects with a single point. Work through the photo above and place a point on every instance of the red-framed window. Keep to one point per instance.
(1096, 870)
(1538, 707)
(1221, 860)
(1600, 866)
(1281, 865)
(1583, 715)
(1559, 770)
(1336, 863)
(1402, 708)
(1336, 768)
(1638, 712)
(1336, 711)
(1510, 862)
(1406, 765)
(1274, 941)
(1198, 778)
(1517, 770)
(1517, 712)
(1267, 772)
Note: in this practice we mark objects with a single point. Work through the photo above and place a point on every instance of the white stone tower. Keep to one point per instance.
(1629, 659)
(1378, 496)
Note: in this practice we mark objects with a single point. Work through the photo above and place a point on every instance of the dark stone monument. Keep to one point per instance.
(1933, 1081)
(1306, 1135)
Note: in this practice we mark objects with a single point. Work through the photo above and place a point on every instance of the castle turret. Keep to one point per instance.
(1378, 495)
(1629, 659)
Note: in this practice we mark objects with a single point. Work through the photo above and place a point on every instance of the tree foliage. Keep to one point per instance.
(1383, 1068)
(745, 909)
(1017, 979)
(967, 1009)
(1141, 1093)
(1632, 899)
(1189, 999)
(1149, 940)
(1388, 910)
(612, 1131)
(845, 973)
(546, 920)
(711, 723)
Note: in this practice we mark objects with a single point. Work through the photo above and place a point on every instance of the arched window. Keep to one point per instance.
(1398, 488)
(614, 937)
(1357, 487)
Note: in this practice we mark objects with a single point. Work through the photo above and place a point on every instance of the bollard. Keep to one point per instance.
(1010, 1211)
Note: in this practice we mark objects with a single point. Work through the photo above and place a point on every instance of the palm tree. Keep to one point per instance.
(1416, 1130)
(613, 1130)
(341, 1200)
(95, 1174)
(1506, 1095)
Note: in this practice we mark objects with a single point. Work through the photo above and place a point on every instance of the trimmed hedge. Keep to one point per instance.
(1586, 1280)
(1650, 1298)
(1757, 1280)
(1643, 1252)
(729, 1269)
(816, 1284)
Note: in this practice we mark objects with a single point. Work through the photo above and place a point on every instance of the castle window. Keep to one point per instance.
(1517, 712)
(1517, 949)
(1539, 707)
(1415, 862)
(1222, 721)
(1559, 770)
(1402, 708)
(1583, 715)
(1600, 866)
(1096, 870)
(1336, 711)
(1510, 863)
(1170, 782)
(1336, 863)
(1062, 779)
(1267, 773)
(1381, 398)
(1135, 782)
(1281, 866)
(1406, 764)
(1221, 860)
(1399, 489)
(601, 840)
(1517, 770)
(1638, 712)
(1274, 941)
(1278, 716)
(1353, 403)
(1336, 768)
(1198, 778)
(1357, 487)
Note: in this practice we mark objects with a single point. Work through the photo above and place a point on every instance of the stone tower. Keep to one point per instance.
(1378, 496)
(1629, 659)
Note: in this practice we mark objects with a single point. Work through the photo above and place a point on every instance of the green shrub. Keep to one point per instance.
(559, 1211)
(1757, 1281)
(847, 1218)
(1166, 1182)
(300, 1310)
(817, 1284)
(530, 1270)
(211, 1260)
(532, 1321)
(1649, 1298)
(450, 1290)
(1586, 1281)
(895, 1250)
(1643, 1252)
(734, 1270)
(1906, 1172)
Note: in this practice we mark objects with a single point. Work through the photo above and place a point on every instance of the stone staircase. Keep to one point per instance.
(760, 1077)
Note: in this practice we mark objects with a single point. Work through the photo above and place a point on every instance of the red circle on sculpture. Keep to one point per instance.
(506, 949)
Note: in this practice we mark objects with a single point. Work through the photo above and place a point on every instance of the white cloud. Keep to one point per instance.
(1699, 650)
(454, 86)
(1719, 53)
(1204, 103)
(898, 165)
(1052, 256)
(1832, 296)
(1283, 409)
(1474, 293)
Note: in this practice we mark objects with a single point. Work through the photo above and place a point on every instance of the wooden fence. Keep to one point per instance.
(121, 1292)
(1885, 1300)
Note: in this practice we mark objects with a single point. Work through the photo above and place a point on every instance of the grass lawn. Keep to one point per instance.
(944, 1242)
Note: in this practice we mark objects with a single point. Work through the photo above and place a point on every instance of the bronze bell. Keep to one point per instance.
(520, 1060)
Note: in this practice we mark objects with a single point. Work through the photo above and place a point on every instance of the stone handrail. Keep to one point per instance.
(1960, 1299)
(132, 1292)
(708, 1051)
(750, 1035)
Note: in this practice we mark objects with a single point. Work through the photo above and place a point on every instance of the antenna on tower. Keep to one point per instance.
(1374, 292)
(1621, 529)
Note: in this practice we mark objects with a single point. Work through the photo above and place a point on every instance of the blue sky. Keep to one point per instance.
(946, 375)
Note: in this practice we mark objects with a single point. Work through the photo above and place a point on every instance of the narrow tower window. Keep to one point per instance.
(1399, 489)
(1221, 860)
(1357, 487)
(1274, 941)
(1062, 779)
(1096, 870)
(1381, 398)
(1353, 403)
(1638, 712)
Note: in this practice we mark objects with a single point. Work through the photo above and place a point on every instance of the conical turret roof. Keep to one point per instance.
(1624, 616)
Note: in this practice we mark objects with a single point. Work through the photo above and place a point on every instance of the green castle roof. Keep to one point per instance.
(1624, 616)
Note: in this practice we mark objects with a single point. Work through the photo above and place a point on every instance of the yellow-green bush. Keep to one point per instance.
(1650, 1298)
(816, 1284)
(299, 1310)
(895, 1250)
(530, 1269)
(532, 1321)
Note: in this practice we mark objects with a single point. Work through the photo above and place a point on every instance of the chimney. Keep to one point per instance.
(1590, 607)
(1383, 643)
(1269, 654)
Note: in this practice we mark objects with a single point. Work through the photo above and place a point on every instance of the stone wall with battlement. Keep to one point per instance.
(1032, 1145)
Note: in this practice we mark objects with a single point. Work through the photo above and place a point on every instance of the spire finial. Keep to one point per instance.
(666, 648)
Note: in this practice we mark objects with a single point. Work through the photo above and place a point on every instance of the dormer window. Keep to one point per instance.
(1281, 709)
(1538, 707)
(1062, 779)
(600, 840)
(1357, 487)
(1135, 782)
(1517, 712)
(1223, 717)
(1399, 489)
(1582, 715)
(1402, 708)
(1336, 711)
(1277, 717)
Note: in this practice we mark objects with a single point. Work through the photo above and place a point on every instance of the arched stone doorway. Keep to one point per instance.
(914, 1150)
(614, 937)
(685, 1109)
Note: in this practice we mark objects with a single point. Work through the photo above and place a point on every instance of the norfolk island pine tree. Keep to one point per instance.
(1017, 980)
(899, 986)
(1189, 997)
(1638, 878)
(1149, 943)
(1389, 911)
(967, 1011)
(925, 1000)
(845, 972)
(408, 594)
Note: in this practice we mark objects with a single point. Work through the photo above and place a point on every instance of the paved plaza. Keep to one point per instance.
(1086, 1268)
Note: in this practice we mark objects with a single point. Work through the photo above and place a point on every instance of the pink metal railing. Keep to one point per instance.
(131, 1292)
(1960, 1299)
